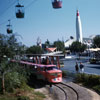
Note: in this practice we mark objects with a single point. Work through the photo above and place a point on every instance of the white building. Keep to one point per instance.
(69, 42)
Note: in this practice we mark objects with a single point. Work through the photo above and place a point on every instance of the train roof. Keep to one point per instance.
(39, 65)
(34, 64)
(53, 55)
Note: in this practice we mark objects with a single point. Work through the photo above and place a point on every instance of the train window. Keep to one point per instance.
(51, 68)
(55, 68)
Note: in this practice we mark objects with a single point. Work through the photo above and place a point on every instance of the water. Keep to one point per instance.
(69, 65)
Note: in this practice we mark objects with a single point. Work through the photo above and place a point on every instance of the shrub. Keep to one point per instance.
(64, 73)
(97, 88)
(13, 80)
(23, 98)
(78, 78)
(93, 80)
(25, 87)
(39, 94)
(0, 86)
(89, 80)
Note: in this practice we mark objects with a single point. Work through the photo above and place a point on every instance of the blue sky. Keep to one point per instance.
(41, 20)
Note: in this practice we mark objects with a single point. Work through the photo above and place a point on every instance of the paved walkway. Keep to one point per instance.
(84, 93)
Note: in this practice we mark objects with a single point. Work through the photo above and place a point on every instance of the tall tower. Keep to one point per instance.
(79, 37)
(39, 42)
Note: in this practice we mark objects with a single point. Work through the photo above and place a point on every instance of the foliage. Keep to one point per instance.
(0, 85)
(4, 69)
(77, 47)
(23, 94)
(8, 45)
(26, 87)
(15, 76)
(47, 43)
(23, 98)
(96, 41)
(34, 50)
(20, 49)
(59, 44)
(8, 98)
(64, 73)
(81, 78)
(68, 74)
(91, 81)
(97, 88)
(4, 66)
(39, 94)
(11, 76)
(14, 80)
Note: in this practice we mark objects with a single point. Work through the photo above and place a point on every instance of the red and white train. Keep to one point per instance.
(49, 73)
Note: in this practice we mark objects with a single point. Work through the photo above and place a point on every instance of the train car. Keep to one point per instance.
(49, 73)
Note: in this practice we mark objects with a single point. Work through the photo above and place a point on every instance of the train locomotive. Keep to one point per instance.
(49, 73)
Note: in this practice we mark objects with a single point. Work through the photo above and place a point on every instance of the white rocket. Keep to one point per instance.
(79, 37)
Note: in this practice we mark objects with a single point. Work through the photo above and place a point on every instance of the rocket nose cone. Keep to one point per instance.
(77, 13)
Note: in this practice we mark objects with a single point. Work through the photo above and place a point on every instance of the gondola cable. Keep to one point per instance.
(2, 13)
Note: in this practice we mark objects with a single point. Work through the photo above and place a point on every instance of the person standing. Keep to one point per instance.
(81, 67)
(76, 67)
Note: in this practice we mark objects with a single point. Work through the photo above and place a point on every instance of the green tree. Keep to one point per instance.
(8, 46)
(34, 50)
(15, 78)
(96, 41)
(77, 47)
(47, 43)
(59, 44)
(20, 49)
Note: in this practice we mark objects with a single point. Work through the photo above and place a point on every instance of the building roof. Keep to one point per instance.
(50, 49)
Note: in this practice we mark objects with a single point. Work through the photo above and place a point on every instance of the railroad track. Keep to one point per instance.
(69, 92)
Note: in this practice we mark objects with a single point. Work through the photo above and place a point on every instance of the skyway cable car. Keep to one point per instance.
(19, 11)
(57, 4)
(9, 28)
